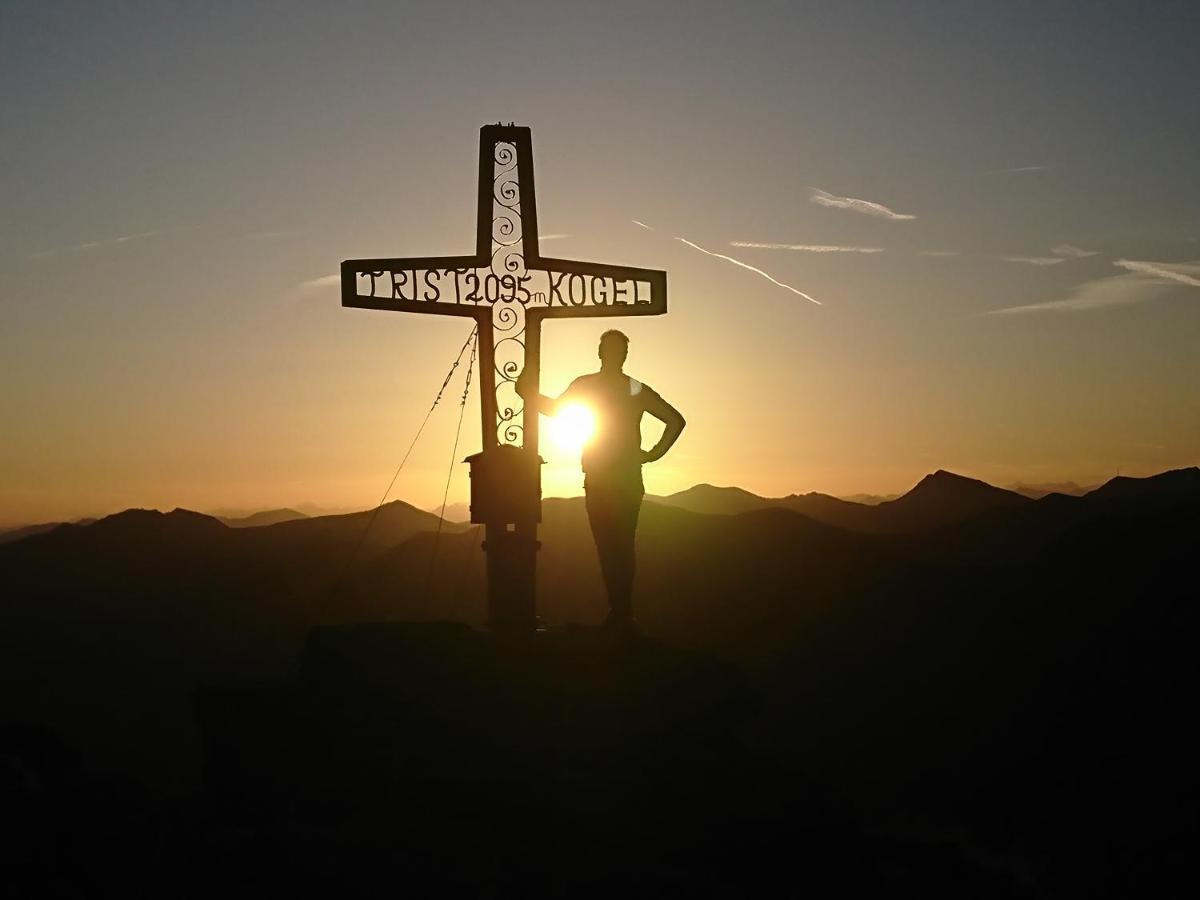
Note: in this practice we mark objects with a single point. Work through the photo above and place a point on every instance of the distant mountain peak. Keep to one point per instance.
(952, 477)
(944, 481)
(138, 519)
(944, 498)
(713, 499)
(704, 486)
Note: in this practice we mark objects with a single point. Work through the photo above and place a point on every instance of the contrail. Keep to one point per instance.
(1018, 170)
(808, 248)
(738, 262)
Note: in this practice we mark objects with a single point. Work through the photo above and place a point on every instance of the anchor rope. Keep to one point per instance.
(462, 409)
(472, 340)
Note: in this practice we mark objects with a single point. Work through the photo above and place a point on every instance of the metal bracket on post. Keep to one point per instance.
(506, 498)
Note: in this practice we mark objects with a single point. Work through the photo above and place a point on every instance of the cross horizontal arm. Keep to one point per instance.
(465, 285)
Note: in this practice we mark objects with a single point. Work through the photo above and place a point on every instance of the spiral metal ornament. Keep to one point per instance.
(508, 317)
(507, 234)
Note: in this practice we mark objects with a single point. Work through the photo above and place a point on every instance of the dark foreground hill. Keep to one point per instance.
(564, 763)
(106, 628)
(999, 701)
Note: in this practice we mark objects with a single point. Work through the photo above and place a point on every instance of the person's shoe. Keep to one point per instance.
(622, 624)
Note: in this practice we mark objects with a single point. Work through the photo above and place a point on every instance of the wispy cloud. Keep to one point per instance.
(938, 253)
(1062, 252)
(1071, 251)
(808, 248)
(867, 207)
(94, 245)
(1184, 273)
(552, 237)
(1035, 260)
(272, 235)
(641, 224)
(324, 281)
(1143, 281)
(1019, 170)
(757, 271)
(1113, 290)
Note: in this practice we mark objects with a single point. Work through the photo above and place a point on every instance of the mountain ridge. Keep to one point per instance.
(911, 512)
(263, 517)
(939, 499)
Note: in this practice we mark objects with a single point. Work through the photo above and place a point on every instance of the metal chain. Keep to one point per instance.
(473, 340)
(462, 409)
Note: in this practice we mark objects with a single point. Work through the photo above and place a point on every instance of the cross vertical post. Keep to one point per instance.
(508, 288)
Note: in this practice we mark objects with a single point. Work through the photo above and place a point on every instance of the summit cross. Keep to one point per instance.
(508, 288)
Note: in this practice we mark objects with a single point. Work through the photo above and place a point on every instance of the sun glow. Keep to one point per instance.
(572, 427)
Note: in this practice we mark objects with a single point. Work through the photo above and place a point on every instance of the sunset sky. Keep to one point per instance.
(997, 207)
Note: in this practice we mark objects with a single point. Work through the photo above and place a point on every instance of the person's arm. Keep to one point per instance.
(534, 399)
(670, 417)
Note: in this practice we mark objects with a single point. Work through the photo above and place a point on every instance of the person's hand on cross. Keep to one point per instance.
(526, 384)
(527, 390)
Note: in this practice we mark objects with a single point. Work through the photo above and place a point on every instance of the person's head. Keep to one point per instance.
(614, 347)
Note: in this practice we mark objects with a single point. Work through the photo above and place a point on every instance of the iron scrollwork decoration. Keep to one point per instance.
(508, 266)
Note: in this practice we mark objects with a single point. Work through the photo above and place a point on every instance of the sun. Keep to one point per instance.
(572, 427)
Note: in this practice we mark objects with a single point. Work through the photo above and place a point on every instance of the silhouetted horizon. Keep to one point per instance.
(701, 497)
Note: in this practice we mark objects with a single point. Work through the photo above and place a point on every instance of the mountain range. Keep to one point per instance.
(700, 498)
(964, 656)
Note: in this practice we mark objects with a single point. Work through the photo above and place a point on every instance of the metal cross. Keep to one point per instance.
(508, 287)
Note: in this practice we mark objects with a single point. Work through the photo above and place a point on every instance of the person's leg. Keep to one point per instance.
(600, 511)
(624, 558)
(613, 509)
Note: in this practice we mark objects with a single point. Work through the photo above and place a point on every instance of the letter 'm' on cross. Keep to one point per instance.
(508, 287)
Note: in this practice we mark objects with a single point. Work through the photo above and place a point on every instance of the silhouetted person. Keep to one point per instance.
(612, 460)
